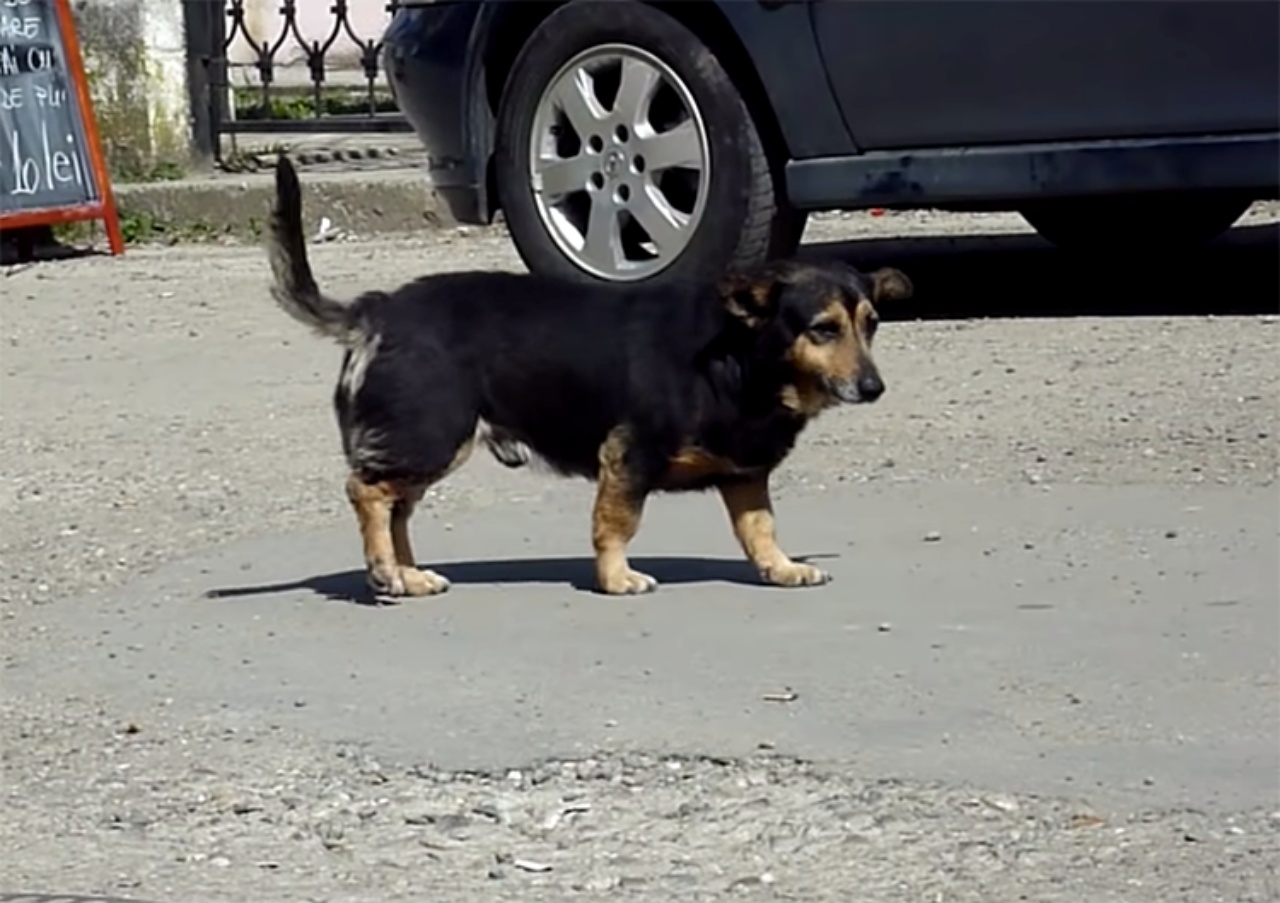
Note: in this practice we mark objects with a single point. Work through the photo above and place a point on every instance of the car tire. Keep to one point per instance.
(740, 219)
(1134, 224)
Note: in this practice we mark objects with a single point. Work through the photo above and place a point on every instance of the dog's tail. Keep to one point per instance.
(294, 287)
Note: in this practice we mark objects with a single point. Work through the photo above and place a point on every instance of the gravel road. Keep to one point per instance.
(157, 406)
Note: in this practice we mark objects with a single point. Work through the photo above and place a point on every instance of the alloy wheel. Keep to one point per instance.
(619, 162)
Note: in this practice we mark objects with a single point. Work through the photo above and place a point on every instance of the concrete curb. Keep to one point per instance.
(362, 203)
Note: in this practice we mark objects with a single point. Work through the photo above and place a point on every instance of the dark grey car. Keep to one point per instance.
(628, 140)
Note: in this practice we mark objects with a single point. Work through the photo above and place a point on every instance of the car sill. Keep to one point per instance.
(1016, 173)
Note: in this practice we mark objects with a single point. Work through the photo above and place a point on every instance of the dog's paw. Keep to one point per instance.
(627, 583)
(398, 582)
(423, 582)
(794, 573)
(385, 582)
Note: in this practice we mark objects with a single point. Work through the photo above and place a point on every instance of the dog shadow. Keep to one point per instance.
(577, 573)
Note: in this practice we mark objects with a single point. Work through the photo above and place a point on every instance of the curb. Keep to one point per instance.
(363, 203)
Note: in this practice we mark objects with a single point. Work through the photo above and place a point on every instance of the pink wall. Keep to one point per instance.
(368, 19)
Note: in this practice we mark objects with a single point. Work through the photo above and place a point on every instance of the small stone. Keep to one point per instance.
(1085, 820)
(528, 865)
(220, 861)
(1170, 534)
(885, 627)
(787, 695)
(449, 823)
(1001, 802)
(933, 536)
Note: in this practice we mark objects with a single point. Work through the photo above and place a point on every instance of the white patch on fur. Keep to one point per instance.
(508, 451)
(366, 449)
(364, 349)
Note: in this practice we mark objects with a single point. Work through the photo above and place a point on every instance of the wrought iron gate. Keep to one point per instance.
(236, 60)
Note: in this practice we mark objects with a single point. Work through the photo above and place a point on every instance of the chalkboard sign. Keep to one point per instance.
(51, 165)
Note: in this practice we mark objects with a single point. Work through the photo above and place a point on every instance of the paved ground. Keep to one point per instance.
(1047, 668)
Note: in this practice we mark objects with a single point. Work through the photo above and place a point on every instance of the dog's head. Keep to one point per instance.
(818, 324)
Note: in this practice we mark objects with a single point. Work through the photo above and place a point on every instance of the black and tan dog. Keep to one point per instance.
(640, 390)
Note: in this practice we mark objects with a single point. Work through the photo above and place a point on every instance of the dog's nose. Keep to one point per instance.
(870, 387)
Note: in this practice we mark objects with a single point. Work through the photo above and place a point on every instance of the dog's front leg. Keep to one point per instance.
(614, 522)
(751, 513)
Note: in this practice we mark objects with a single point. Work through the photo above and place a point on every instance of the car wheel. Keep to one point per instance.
(625, 154)
(1134, 223)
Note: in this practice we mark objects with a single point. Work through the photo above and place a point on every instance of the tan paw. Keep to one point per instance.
(423, 582)
(398, 582)
(626, 582)
(385, 580)
(793, 573)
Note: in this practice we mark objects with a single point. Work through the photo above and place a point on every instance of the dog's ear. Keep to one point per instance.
(753, 299)
(888, 284)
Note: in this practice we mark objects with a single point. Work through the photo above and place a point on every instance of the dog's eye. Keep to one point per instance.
(826, 331)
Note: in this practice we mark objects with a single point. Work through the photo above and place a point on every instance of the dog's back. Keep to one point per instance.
(551, 363)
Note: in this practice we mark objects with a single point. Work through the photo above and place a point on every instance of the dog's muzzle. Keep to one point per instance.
(863, 390)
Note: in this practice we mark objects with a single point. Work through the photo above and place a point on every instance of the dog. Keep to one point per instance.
(638, 389)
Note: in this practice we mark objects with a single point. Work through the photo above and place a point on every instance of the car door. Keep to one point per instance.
(927, 73)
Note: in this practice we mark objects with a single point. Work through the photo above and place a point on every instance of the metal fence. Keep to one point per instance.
(287, 66)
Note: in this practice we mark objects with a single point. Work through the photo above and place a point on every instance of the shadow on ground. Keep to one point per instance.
(1025, 276)
(577, 572)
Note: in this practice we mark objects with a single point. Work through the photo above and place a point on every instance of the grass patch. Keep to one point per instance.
(165, 171)
(298, 104)
(140, 227)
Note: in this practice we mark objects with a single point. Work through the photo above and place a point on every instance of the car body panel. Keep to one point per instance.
(931, 102)
(937, 73)
(780, 40)
(433, 56)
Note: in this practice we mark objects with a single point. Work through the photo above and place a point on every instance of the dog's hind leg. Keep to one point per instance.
(373, 503)
(383, 510)
(614, 523)
(751, 513)
(401, 511)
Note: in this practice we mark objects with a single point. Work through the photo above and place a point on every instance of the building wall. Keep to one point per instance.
(136, 65)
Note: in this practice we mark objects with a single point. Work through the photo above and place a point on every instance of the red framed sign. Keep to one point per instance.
(51, 165)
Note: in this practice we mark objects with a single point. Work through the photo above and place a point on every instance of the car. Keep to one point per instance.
(627, 141)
